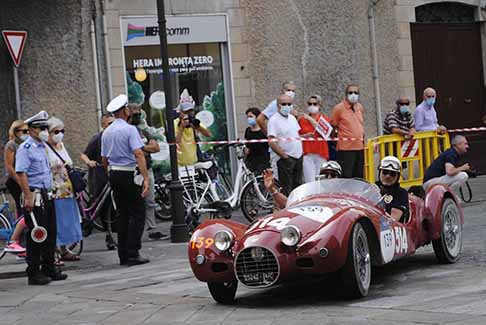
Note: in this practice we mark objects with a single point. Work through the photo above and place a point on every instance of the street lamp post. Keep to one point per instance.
(178, 230)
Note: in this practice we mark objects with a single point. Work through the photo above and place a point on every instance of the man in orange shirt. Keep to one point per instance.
(347, 118)
(315, 152)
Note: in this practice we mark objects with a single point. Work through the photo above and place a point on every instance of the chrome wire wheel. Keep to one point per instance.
(362, 258)
(451, 231)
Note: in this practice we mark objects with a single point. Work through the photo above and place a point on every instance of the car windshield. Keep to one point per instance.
(355, 187)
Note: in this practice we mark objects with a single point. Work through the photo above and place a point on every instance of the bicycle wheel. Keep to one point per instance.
(5, 233)
(162, 199)
(105, 217)
(75, 248)
(251, 206)
(194, 219)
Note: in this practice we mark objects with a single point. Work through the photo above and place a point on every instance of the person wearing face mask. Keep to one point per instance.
(288, 88)
(400, 120)
(425, 115)
(287, 150)
(395, 198)
(315, 152)
(150, 145)
(257, 155)
(347, 119)
(122, 155)
(187, 129)
(35, 179)
(17, 133)
(67, 211)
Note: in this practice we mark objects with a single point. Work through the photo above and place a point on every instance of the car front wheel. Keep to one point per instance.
(448, 247)
(356, 273)
(223, 293)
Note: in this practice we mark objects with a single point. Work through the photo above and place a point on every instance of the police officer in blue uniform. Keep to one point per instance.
(122, 155)
(34, 173)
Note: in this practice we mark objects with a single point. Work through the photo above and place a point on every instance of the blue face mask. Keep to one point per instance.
(404, 109)
(430, 101)
(286, 110)
(251, 121)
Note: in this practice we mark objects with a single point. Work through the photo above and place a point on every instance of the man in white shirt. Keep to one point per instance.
(287, 153)
(288, 88)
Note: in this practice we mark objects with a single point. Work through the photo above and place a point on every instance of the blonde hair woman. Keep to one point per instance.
(18, 133)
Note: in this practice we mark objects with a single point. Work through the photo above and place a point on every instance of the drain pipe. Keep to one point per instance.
(96, 71)
(106, 50)
(374, 58)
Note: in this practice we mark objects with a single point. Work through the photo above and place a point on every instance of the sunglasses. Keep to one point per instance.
(137, 115)
(403, 104)
(389, 172)
(430, 96)
(24, 131)
(285, 104)
(41, 127)
(330, 175)
(353, 92)
(59, 131)
(313, 104)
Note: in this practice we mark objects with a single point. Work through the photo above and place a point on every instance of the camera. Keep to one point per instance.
(194, 121)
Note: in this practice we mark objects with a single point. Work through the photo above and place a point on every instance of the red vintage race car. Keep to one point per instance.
(329, 226)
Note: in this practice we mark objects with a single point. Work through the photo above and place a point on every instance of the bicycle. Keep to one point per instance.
(7, 223)
(92, 209)
(248, 192)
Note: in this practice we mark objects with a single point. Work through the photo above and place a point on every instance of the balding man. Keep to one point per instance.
(400, 120)
(286, 154)
(446, 169)
(425, 115)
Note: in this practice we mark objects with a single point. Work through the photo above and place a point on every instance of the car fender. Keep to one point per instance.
(334, 236)
(433, 207)
(217, 265)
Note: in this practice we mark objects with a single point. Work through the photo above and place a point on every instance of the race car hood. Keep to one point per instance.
(309, 217)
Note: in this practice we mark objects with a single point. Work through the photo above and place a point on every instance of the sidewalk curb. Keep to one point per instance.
(22, 274)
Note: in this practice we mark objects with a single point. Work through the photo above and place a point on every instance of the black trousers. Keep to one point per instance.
(352, 163)
(41, 253)
(290, 173)
(130, 206)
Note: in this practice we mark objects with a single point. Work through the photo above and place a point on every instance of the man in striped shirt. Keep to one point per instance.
(400, 120)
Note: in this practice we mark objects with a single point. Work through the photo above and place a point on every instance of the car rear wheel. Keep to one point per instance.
(356, 273)
(223, 293)
(448, 247)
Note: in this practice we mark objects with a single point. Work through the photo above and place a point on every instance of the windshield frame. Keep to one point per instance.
(343, 187)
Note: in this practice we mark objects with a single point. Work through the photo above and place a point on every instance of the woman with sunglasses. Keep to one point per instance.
(395, 198)
(18, 133)
(315, 152)
(68, 217)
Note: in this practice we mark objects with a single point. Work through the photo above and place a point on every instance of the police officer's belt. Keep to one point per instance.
(123, 168)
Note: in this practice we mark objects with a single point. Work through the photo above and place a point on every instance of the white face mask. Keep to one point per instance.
(44, 135)
(286, 110)
(313, 109)
(23, 137)
(290, 93)
(57, 138)
(353, 98)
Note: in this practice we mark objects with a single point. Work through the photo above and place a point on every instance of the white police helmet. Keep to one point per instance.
(390, 163)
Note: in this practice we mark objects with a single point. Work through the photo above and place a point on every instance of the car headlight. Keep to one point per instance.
(223, 240)
(290, 236)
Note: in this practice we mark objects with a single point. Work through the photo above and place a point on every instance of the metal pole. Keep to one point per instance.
(17, 92)
(374, 58)
(178, 230)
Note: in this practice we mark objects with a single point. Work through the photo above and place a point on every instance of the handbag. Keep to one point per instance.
(76, 177)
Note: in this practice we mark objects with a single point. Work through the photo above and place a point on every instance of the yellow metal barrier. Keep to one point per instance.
(417, 153)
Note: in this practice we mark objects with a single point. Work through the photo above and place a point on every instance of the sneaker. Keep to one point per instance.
(110, 243)
(21, 256)
(157, 235)
(14, 247)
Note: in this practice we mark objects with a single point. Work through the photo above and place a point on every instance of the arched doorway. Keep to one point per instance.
(446, 47)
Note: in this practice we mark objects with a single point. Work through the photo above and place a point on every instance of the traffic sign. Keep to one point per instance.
(15, 41)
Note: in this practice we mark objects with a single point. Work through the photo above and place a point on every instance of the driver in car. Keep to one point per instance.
(329, 169)
(395, 197)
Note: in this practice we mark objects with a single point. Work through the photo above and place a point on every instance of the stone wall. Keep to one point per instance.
(323, 46)
(56, 73)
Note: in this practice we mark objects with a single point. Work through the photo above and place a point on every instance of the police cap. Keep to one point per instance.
(39, 119)
(117, 103)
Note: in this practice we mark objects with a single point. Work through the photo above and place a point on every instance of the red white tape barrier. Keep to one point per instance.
(240, 141)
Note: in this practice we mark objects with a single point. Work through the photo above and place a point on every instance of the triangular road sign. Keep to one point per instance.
(15, 41)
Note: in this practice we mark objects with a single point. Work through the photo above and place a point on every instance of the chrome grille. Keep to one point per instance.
(256, 273)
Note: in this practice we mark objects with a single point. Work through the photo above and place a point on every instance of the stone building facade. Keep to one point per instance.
(320, 44)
